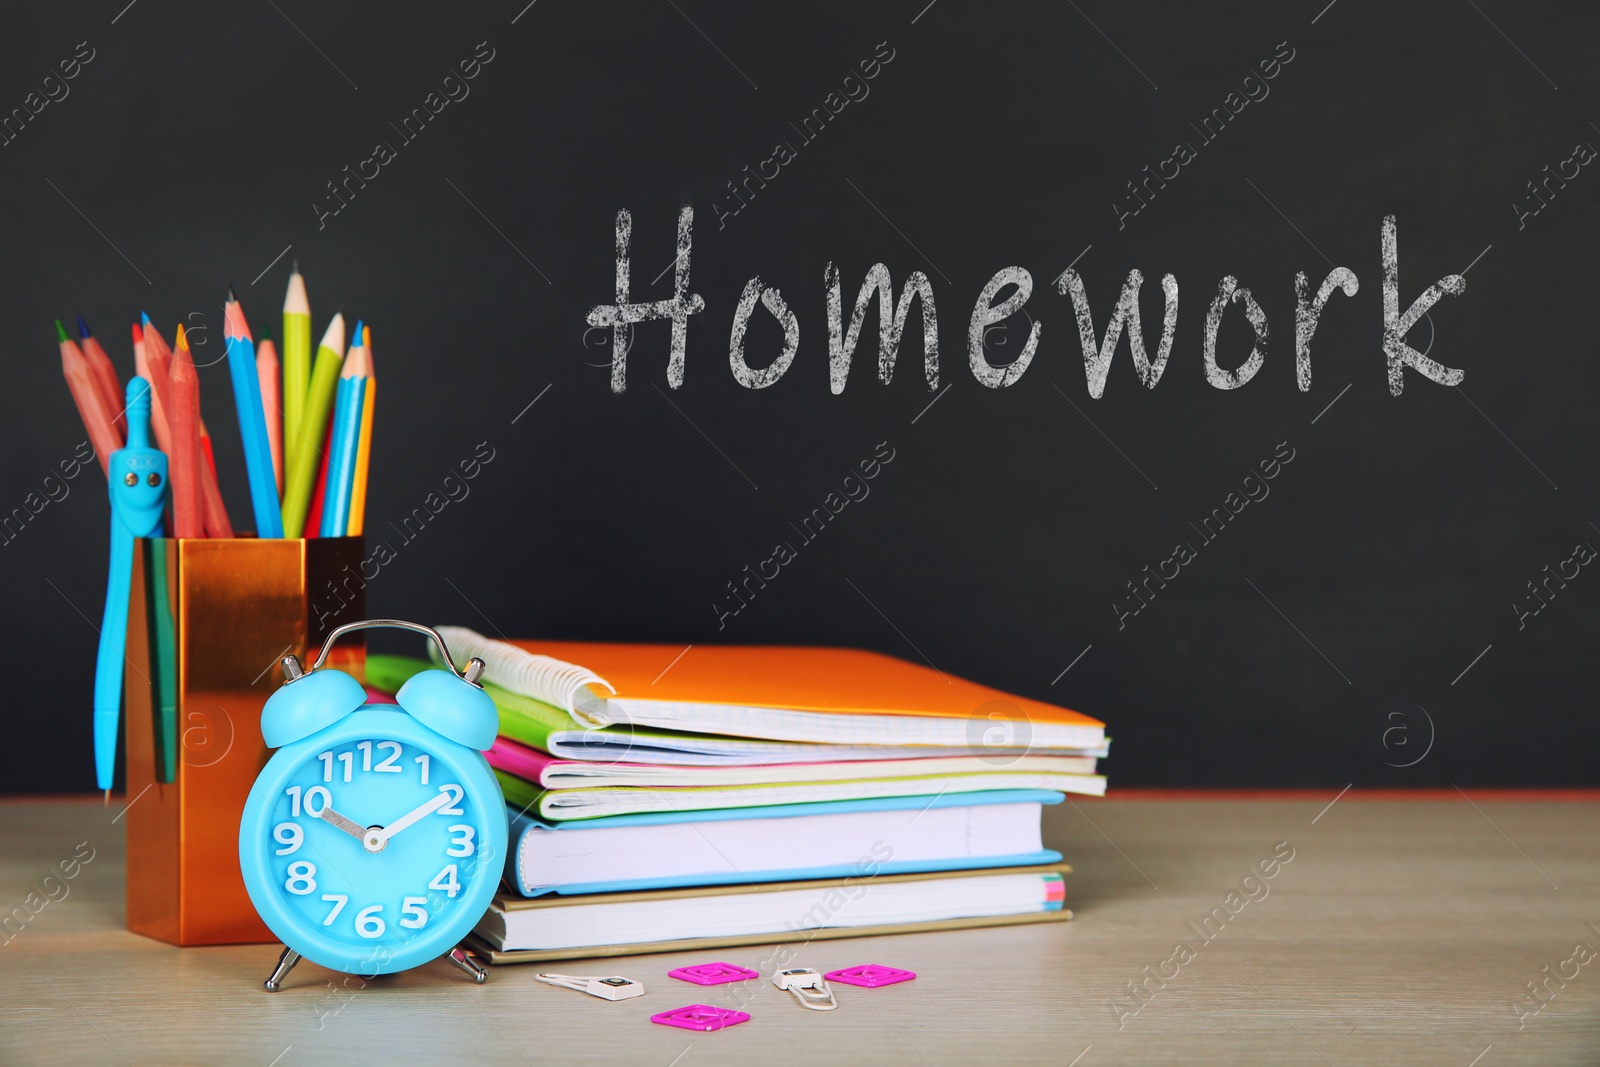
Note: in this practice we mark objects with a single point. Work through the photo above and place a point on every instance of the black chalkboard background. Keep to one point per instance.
(1387, 560)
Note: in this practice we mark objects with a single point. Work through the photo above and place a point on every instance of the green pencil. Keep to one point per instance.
(313, 421)
(296, 362)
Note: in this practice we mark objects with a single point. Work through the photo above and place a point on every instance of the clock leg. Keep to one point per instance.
(286, 964)
(459, 957)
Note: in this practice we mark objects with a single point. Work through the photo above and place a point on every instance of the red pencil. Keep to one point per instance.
(184, 459)
(87, 395)
(105, 375)
(314, 510)
(217, 524)
(216, 513)
(206, 449)
(152, 361)
(271, 386)
(157, 360)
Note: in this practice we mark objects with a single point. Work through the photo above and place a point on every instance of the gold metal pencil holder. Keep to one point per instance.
(209, 620)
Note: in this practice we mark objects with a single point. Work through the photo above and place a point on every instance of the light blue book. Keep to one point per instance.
(789, 842)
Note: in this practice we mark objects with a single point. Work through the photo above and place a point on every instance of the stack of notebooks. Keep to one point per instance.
(665, 799)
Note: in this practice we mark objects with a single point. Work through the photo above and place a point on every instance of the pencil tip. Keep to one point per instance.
(232, 299)
(182, 340)
(61, 332)
(106, 802)
(83, 329)
(144, 318)
(357, 334)
(296, 266)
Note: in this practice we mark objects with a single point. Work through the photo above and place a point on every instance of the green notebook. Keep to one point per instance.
(546, 727)
(523, 719)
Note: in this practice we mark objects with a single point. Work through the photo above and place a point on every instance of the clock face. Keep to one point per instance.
(373, 850)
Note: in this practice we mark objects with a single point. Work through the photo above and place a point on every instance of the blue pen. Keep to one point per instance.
(252, 420)
(137, 478)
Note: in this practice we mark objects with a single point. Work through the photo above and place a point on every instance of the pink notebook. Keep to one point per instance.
(520, 760)
(532, 765)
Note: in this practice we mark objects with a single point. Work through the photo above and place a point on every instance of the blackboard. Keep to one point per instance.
(1405, 600)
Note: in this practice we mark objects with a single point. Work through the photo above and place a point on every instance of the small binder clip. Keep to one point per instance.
(614, 987)
(808, 987)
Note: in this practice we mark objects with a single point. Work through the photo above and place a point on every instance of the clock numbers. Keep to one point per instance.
(446, 881)
(388, 764)
(416, 916)
(460, 841)
(339, 901)
(290, 836)
(456, 793)
(302, 878)
(293, 793)
(340, 911)
(313, 793)
(369, 923)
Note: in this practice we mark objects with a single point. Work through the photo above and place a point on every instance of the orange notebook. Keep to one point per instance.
(819, 695)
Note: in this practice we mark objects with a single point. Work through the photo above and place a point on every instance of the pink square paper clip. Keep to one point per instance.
(713, 973)
(870, 976)
(701, 1017)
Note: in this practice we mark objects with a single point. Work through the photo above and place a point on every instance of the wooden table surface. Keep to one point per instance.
(1401, 932)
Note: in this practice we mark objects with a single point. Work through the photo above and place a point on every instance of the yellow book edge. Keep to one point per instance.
(509, 902)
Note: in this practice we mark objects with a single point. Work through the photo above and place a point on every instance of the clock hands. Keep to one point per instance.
(374, 840)
(333, 818)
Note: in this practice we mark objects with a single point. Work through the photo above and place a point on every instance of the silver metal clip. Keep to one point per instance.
(614, 987)
(808, 987)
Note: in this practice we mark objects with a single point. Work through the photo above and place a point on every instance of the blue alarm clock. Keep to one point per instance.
(374, 838)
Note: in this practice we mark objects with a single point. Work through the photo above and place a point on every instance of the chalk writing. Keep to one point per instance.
(1002, 297)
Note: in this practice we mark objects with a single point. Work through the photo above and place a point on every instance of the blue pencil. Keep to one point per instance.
(252, 420)
(343, 451)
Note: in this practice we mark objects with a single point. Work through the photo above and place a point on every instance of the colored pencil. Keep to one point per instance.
(347, 475)
(86, 394)
(213, 510)
(105, 375)
(346, 441)
(184, 461)
(207, 451)
(296, 360)
(141, 368)
(319, 494)
(212, 507)
(252, 419)
(152, 361)
(271, 403)
(358, 492)
(307, 450)
(326, 524)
